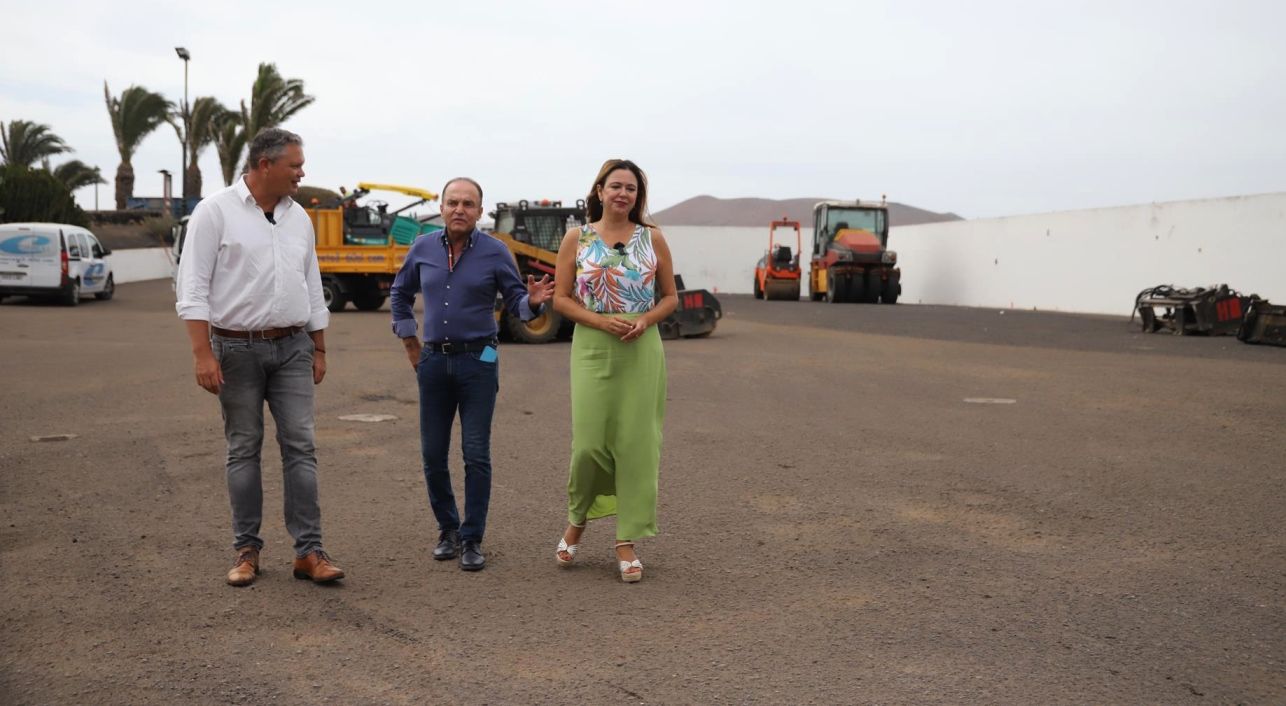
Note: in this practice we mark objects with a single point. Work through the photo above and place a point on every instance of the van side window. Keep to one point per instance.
(93, 247)
(73, 244)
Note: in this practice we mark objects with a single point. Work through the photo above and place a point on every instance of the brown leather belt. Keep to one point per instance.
(267, 334)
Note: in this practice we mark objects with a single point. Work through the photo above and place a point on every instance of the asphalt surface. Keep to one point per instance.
(1104, 523)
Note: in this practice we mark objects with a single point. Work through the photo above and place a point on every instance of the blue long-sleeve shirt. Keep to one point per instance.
(459, 299)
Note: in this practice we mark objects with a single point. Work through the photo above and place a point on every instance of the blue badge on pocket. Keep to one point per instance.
(488, 355)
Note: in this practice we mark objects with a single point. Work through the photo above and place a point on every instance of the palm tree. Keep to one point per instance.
(76, 174)
(24, 142)
(273, 100)
(135, 114)
(229, 140)
(205, 112)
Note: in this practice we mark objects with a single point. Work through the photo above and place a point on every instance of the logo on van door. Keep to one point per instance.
(93, 274)
(25, 245)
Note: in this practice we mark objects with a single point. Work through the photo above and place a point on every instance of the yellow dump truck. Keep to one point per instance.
(360, 247)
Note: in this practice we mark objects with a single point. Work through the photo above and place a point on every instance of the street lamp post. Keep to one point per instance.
(187, 127)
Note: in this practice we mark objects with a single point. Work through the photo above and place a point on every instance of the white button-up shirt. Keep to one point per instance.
(238, 271)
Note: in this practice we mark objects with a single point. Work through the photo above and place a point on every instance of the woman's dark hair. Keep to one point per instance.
(594, 204)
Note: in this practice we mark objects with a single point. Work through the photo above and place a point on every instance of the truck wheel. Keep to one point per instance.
(567, 329)
(891, 292)
(542, 329)
(871, 294)
(852, 288)
(759, 293)
(108, 290)
(782, 290)
(836, 288)
(71, 297)
(368, 301)
(706, 316)
(334, 296)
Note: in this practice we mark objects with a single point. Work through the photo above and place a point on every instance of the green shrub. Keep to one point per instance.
(36, 196)
(158, 227)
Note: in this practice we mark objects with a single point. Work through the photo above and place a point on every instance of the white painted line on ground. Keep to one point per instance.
(368, 417)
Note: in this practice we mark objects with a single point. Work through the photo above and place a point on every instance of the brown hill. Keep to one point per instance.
(712, 211)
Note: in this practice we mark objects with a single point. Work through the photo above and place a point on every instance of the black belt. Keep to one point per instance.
(453, 347)
(266, 334)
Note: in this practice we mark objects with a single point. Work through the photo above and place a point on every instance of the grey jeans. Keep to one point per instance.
(280, 372)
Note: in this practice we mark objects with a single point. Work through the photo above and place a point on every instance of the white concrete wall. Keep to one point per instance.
(1092, 261)
(1097, 260)
(723, 259)
(139, 264)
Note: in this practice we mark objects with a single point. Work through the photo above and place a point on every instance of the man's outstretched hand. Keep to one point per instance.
(539, 292)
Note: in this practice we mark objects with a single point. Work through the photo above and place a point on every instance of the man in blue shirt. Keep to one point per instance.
(459, 272)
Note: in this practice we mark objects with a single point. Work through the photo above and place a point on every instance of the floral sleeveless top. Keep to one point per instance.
(612, 281)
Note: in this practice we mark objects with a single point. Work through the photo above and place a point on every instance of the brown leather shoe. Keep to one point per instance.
(318, 567)
(243, 573)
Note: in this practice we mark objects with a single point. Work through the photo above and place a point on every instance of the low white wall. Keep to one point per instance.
(723, 259)
(1092, 261)
(139, 264)
(1096, 261)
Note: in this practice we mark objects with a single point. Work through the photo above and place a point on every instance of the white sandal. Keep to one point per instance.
(570, 549)
(627, 574)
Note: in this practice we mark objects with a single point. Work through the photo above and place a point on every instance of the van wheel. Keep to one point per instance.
(71, 297)
(108, 290)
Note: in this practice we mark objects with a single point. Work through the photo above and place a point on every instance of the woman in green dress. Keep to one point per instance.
(608, 275)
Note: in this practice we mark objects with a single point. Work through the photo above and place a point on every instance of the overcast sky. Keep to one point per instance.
(986, 108)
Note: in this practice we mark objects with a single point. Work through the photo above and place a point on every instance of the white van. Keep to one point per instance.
(53, 260)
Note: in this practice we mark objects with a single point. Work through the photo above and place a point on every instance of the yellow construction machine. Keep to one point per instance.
(361, 246)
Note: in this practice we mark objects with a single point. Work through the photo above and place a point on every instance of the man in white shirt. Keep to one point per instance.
(250, 293)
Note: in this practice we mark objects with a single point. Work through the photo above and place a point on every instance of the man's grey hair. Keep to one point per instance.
(269, 144)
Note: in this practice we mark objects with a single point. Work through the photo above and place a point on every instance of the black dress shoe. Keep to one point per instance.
(471, 558)
(448, 545)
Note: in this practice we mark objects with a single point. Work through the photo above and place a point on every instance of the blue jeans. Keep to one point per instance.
(463, 382)
(279, 372)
